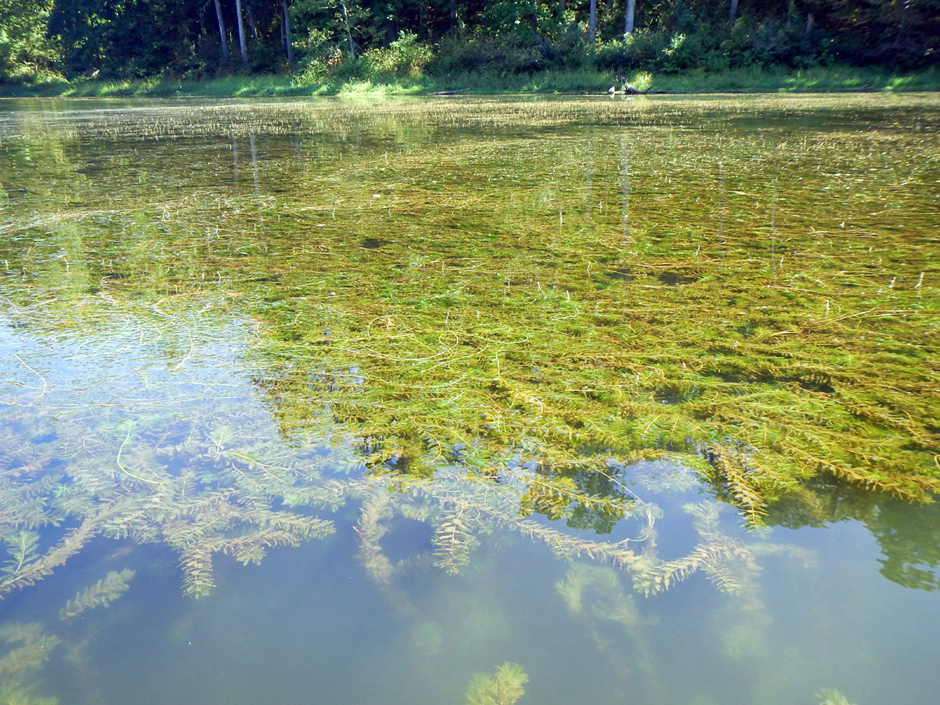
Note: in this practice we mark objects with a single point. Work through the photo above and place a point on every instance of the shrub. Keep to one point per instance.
(501, 54)
(319, 55)
(569, 50)
(639, 50)
(404, 57)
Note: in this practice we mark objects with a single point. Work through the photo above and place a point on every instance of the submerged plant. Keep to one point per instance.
(830, 696)
(101, 594)
(595, 597)
(504, 687)
(200, 370)
(22, 550)
(11, 695)
(28, 648)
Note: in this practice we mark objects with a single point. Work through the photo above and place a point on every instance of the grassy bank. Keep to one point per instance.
(832, 79)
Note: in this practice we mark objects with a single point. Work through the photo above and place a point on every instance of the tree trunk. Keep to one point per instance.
(251, 23)
(288, 46)
(628, 19)
(218, 14)
(810, 21)
(592, 22)
(733, 11)
(352, 47)
(242, 46)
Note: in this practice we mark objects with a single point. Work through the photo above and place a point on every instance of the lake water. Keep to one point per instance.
(365, 401)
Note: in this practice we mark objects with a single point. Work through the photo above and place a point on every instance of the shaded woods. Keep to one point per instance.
(325, 40)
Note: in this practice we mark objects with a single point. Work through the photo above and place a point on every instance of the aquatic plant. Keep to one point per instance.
(28, 648)
(16, 696)
(101, 594)
(831, 696)
(28, 566)
(115, 492)
(594, 596)
(496, 345)
(489, 348)
(31, 648)
(504, 687)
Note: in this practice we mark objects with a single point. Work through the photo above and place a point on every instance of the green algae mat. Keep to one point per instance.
(226, 324)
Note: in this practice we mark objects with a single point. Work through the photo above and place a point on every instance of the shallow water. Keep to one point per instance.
(373, 396)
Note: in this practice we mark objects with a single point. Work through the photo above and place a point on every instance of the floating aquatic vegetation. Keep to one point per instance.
(27, 565)
(467, 338)
(504, 687)
(418, 312)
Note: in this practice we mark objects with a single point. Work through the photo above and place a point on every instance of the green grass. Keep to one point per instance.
(832, 79)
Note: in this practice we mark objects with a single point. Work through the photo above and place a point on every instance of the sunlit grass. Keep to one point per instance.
(753, 80)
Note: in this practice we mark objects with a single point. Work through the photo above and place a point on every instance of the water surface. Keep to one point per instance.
(348, 401)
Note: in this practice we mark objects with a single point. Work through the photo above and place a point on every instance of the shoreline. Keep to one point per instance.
(744, 81)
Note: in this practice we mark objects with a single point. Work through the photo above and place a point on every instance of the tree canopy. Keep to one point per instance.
(342, 38)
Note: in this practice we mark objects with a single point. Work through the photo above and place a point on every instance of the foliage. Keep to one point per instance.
(25, 49)
(135, 38)
(321, 55)
(27, 566)
(146, 35)
(487, 54)
(404, 57)
(504, 687)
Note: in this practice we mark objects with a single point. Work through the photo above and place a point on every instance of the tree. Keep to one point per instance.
(222, 38)
(130, 38)
(285, 25)
(352, 47)
(126, 38)
(242, 45)
(24, 46)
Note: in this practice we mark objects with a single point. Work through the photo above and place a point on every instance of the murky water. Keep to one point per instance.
(349, 401)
